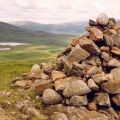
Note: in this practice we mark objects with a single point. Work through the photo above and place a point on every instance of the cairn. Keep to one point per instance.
(86, 73)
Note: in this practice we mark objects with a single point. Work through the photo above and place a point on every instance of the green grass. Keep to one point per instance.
(17, 61)
(20, 59)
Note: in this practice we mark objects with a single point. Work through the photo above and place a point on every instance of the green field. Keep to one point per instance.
(15, 62)
(18, 60)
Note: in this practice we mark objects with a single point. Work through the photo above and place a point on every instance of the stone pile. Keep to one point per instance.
(86, 73)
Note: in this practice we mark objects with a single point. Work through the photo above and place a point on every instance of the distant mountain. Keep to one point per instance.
(74, 28)
(11, 33)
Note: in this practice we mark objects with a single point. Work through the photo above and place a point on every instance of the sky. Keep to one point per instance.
(56, 11)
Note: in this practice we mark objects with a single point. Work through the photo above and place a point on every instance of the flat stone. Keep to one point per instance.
(77, 54)
(76, 88)
(112, 87)
(50, 97)
(78, 100)
(113, 63)
(105, 49)
(25, 84)
(92, 85)
(42, 85)
(115, 50)
(95, 34)
(102, 19)
(116, 100)
(116, 74)
(102, 99)
(89, 45)
(57, 75)
(60, 84)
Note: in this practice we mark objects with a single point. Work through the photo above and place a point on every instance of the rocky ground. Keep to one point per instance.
(83, 83)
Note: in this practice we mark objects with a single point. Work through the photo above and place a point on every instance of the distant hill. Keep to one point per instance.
(74, 28)
(11, 33)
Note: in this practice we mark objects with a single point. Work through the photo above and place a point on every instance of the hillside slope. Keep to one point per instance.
(74, 28)
(11, 33)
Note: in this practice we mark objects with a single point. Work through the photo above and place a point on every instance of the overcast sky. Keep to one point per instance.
(57, 11)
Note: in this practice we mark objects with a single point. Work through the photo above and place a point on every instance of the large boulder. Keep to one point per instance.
(50, 96)
(77, 87)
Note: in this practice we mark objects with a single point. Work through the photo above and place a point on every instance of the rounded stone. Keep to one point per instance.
(77, 87)
(102, 19)
(35, 69)
(50, 97)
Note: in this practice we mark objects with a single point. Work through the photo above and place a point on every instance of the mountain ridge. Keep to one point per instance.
(74, 28)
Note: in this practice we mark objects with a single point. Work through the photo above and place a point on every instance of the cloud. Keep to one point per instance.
(56, 11)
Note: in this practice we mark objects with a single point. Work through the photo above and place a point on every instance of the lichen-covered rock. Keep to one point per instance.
(50, 96)
(76, 88)
(78, 100)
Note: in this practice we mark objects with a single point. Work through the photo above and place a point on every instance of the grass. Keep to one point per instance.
(17, 61)
(20, 59)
